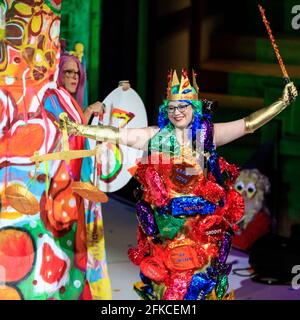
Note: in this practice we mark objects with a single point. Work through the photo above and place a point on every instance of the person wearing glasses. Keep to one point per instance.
(72, 77)
(187, 207)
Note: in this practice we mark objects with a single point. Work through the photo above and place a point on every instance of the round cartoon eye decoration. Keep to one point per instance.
(251, 189)
(239, 186)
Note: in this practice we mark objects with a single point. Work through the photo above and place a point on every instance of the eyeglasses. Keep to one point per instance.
(70, 73)
(181, 108)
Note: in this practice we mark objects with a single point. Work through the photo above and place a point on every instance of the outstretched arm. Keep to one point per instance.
(229, 131)
(135, 138)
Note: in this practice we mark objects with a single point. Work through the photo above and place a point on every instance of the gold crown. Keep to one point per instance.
(185, 89)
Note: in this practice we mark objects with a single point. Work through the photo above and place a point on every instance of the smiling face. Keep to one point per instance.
(180, 113)
(70, 77)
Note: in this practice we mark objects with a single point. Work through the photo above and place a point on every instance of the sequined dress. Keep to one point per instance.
(187, 214)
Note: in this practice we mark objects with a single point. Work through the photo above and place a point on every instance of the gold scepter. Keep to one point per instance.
(84, 189)
(66, 154)
(22, 200)
(286, 77)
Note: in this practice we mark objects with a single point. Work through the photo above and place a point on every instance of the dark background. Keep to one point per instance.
(227, 44)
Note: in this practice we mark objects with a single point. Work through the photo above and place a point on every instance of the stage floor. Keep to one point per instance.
(120, 233)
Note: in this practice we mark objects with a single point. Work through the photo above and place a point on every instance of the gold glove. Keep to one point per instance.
(257, 119)
(98, 133)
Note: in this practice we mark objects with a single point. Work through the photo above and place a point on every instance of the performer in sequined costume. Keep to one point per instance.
(187, 208)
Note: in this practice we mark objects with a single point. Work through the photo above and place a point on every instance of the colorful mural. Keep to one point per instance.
(43, 253)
